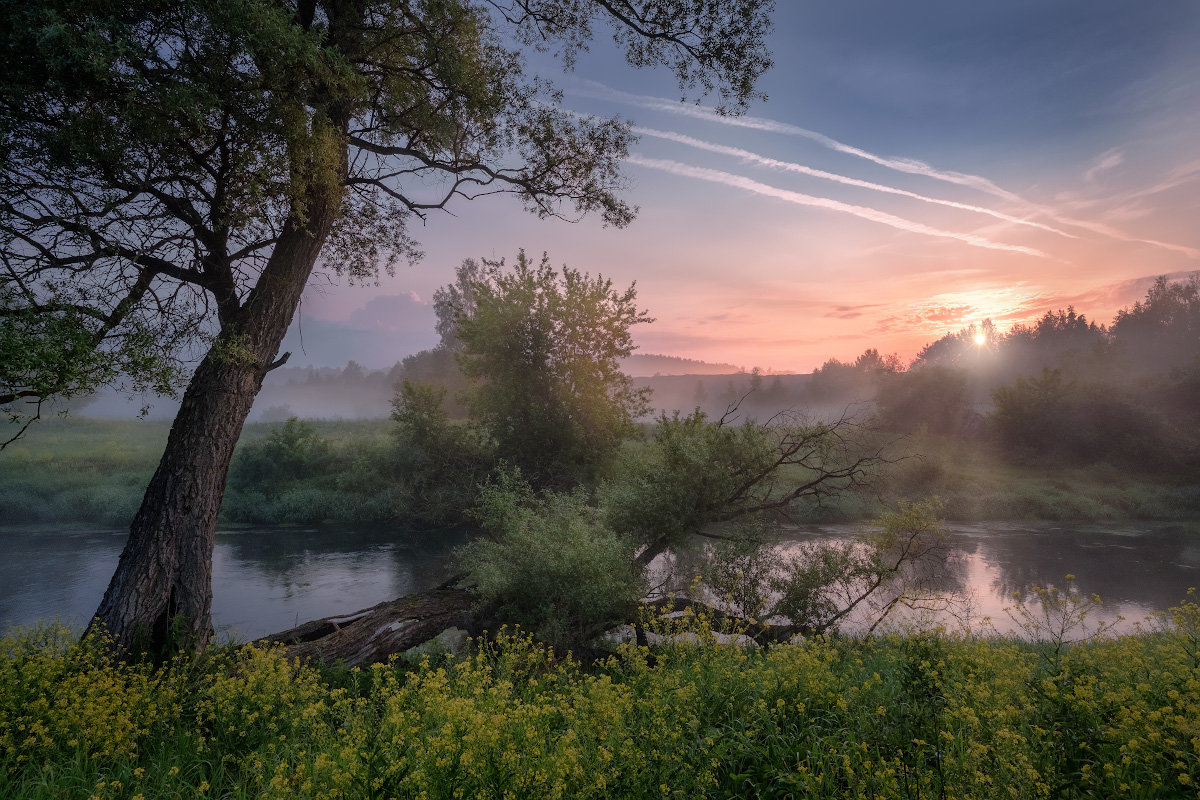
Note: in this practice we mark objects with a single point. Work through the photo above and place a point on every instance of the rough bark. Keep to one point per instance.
(373, 634)
(160, 596)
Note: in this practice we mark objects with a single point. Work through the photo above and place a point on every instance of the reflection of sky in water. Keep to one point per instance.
(267, 580)
(263, 580)
(1136, 569)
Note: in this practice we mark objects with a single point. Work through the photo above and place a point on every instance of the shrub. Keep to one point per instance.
(552, 565)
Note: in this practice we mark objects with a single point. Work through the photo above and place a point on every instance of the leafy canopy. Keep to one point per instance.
(160, 158)
(543, 348)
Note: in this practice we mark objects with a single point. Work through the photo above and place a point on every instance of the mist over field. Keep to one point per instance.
(600, 398)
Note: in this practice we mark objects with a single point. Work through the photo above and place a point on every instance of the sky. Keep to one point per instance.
(916, 167)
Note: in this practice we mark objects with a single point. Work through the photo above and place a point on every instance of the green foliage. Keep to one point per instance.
(933, 399)
(1162, 331)
(439, 463)
(551, 565)
(156, 153)
(695, 472)
(686, 477)
(58, 352)
(1054, 419)
(94, 472)
(738, 568)
(859, 381)
(817, 584)
(887, 717)
(543, 349)
(291, 452)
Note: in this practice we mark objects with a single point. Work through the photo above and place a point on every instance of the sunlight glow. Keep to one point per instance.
(981, 339)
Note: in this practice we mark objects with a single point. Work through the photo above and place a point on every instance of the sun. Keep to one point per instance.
(981, 339)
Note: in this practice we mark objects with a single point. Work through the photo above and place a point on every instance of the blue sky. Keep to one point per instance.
(916, 168)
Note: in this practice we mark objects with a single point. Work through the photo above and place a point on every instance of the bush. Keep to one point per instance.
(931, 398)
(439, 463)
(291, 452)
(552, 565)
(1052, 419)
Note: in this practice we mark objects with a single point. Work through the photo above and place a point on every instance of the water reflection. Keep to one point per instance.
(264, 580)
(1135, 569)
(267, 580)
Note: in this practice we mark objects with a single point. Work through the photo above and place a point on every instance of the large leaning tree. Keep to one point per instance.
(175, 170)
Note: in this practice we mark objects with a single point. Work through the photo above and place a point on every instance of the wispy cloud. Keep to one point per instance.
(1113, 233)
(790, 166)
(799, 198)
(908, 165)
(1107, 161)
(852, 312)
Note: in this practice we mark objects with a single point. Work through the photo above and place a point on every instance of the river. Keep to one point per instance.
(270, 579)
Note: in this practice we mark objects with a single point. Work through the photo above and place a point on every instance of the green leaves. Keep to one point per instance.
(552, 565)
(543, 349)
(156, 153)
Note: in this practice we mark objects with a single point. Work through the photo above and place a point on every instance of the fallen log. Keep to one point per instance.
(374, 634)
(763, 633)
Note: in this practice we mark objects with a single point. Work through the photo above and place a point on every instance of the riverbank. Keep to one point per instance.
(977, 484)
(888, 717)
(93, 472)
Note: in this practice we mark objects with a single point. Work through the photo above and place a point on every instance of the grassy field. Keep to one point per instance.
(917, 716)
(976, 483)
(79, 470)
(93, 472)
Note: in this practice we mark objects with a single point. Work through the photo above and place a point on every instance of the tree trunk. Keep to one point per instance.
(374, 634)
(160, 596)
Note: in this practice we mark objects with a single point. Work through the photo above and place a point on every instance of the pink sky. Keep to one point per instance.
(883, 198)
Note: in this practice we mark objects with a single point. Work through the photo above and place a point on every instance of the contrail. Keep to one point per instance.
(790, 166)
(911, 166)
(741, 182)
(907, 165)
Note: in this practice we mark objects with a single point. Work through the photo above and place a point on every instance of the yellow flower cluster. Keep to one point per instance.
(890, 717)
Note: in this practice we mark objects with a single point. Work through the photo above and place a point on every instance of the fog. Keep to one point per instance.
(1065, 387)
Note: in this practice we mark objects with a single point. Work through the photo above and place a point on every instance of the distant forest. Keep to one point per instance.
(1063, 383)
(1148, 357)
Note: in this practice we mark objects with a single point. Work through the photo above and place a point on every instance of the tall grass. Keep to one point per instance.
(80, 470)
(978, 483)
(85, 471)
(894, 717)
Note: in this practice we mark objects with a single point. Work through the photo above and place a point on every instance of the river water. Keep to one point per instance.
(264, 579)
(270, 579)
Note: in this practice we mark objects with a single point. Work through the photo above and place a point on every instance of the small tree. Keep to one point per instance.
(697, 472)
(292, 451)
(440, 462)
(567, 569)
(543, 349)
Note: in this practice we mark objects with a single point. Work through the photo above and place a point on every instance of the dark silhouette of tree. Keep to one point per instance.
(1162, 331)
(174, 172)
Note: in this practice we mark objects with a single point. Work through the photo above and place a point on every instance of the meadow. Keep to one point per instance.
(82, 471)
(920, 715)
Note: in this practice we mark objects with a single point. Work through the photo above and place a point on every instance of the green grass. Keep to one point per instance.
(91, 471)
(86, 471)
(899, 716)
(79, 470)
(977, 484)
